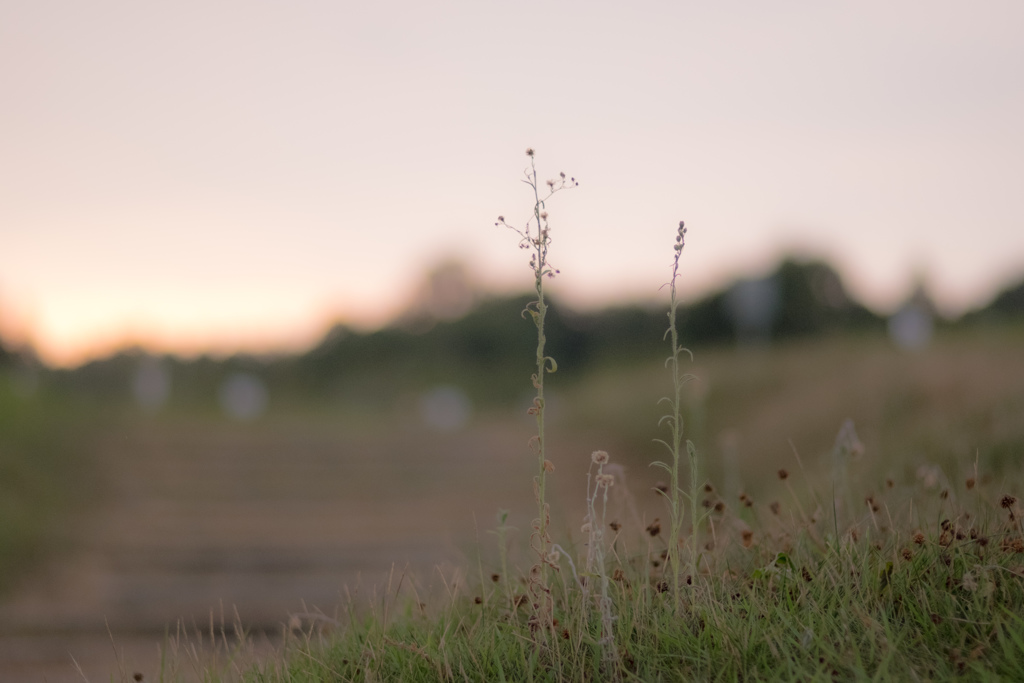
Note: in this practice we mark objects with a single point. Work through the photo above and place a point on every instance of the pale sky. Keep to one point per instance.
(238, 175)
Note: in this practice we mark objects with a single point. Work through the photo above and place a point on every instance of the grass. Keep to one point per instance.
(43, 473)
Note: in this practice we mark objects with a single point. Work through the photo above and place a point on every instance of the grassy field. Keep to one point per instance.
(899, 560)
(896, 555)
(893, 552)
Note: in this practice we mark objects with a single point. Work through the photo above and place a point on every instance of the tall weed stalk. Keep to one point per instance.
(674, 420)
(536, 238)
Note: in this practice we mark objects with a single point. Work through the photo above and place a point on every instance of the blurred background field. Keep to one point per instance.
(143, 491)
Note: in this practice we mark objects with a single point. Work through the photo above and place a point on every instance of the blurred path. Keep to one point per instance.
(269, 519)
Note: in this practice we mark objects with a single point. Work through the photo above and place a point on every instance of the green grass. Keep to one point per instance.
(44, 474)
(788, 603)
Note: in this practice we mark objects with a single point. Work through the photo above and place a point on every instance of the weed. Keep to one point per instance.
(535, 237)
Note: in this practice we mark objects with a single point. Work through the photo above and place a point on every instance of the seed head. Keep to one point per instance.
(1007, 502)
(604, 480)
(529, 151)
(599, 457)
(654, 528)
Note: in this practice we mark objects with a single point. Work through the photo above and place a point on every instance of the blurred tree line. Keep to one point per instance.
(488, 352)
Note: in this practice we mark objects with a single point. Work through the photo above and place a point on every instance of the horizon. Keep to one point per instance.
(239, 177)
(419, 304)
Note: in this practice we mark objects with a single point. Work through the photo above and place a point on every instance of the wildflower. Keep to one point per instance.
(654, 528)
(599, 457)
(1007, 502)
(529, 151)
(604, 480)
(614, 526)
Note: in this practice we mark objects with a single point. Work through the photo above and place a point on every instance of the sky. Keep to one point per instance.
(221, 176)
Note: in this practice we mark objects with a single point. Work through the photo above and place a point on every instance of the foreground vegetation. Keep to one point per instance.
(778, 599)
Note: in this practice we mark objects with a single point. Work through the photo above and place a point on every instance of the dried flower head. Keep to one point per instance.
(529, 151)
(654, 528)
(599, 457)
(614, 526)
(1007, 502)
(604, 480)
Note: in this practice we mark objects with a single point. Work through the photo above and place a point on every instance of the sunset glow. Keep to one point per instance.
(194, 178)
